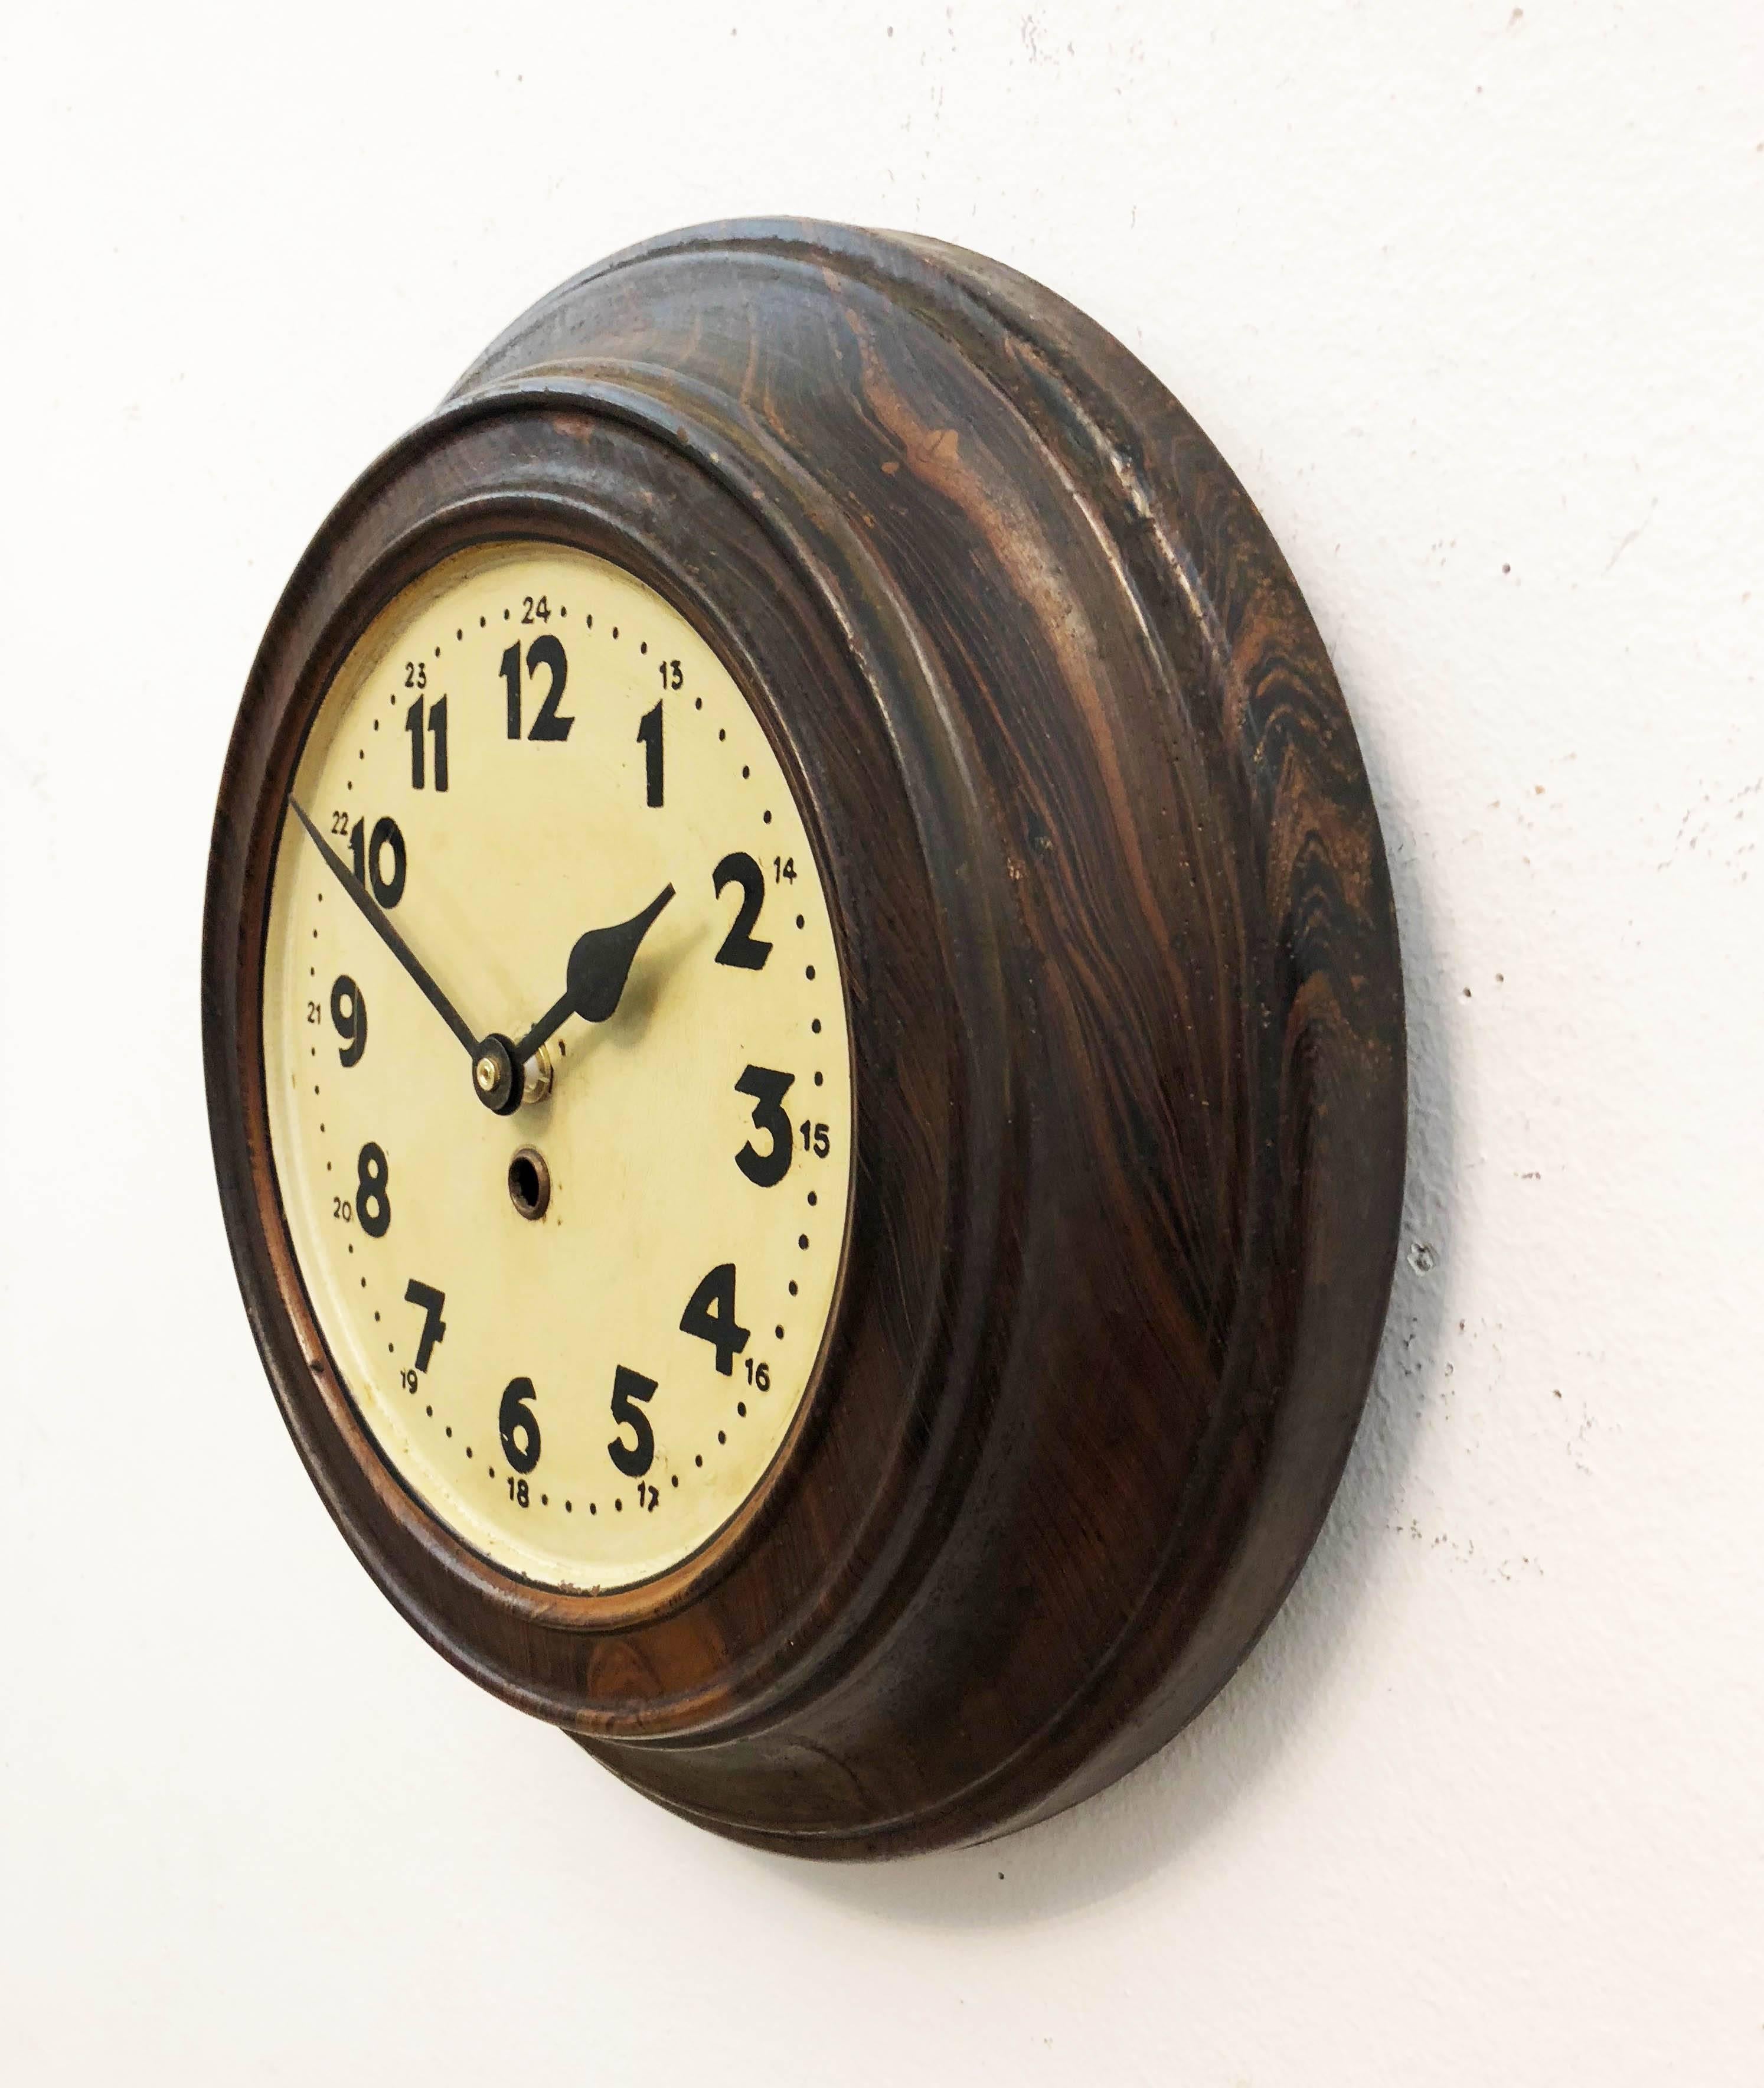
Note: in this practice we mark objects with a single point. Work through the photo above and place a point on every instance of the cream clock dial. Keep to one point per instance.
(557, 1066)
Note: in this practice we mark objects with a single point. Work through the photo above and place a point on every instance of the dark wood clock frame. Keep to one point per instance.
(1124, 1000)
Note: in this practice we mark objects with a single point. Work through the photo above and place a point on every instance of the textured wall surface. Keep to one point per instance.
(1473, 297)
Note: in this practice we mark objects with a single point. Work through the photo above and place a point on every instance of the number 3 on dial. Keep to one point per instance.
(766, 1169)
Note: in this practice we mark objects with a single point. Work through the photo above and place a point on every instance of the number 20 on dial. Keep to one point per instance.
(557, 1064)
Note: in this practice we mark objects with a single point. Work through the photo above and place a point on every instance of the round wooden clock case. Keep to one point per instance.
(1119, 980)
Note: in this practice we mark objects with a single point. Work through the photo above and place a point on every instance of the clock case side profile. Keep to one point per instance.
(1119, 922)
(1205, 1037)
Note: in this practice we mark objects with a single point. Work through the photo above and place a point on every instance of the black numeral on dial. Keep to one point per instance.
(373, 1206)
(546, 651)
(649, 734)
(379, 862)
(438, 725)
(518, 1425)
(710, 1316)
(349, 1013)
(739, 946)
(631, 1390)
(434, 1326)
(766, 1169)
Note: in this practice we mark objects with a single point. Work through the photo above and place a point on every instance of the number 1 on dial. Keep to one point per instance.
(649, 733)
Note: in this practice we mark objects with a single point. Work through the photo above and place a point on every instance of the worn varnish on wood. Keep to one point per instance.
(1125, 1006)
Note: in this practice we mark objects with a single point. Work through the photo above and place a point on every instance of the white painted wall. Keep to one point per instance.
(1472, 296)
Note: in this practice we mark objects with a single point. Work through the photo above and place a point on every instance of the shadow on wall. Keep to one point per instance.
(1149, 1820)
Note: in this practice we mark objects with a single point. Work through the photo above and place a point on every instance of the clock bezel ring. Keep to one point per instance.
(294, 667)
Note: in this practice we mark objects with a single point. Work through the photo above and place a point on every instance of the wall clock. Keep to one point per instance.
(805, 1040)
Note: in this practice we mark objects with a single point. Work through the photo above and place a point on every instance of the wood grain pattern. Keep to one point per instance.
(1125, 1005)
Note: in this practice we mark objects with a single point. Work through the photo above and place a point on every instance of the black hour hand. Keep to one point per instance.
(594, 978)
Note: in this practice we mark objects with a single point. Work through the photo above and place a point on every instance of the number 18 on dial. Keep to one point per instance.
(557, 1066)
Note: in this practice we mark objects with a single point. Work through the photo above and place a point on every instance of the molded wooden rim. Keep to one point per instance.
(267, 1268)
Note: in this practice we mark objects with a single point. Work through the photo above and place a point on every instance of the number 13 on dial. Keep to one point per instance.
(556, 1065)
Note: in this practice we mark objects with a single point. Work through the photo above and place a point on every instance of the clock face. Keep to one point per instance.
(578, 1331)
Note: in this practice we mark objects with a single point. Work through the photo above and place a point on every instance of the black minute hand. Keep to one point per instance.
(377, 920)
(594, 978)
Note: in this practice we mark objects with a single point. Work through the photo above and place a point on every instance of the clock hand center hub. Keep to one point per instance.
(500, 1085)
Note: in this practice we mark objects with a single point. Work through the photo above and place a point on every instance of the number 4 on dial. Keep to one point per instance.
(717, 1326)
